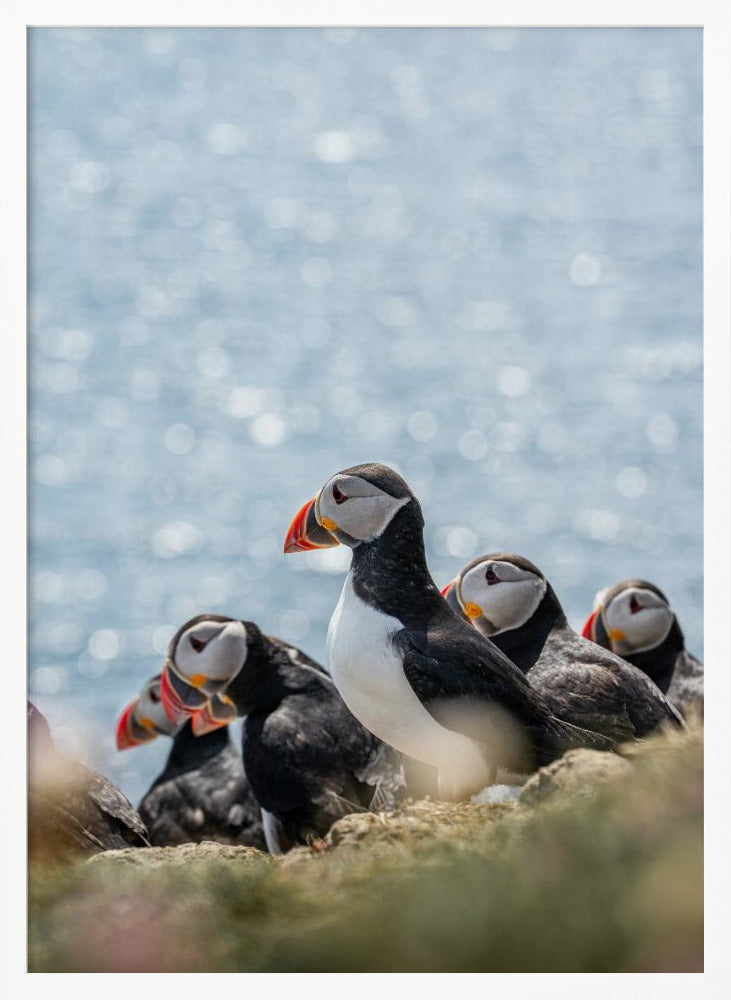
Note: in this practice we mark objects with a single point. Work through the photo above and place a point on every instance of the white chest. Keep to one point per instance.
(368, 672)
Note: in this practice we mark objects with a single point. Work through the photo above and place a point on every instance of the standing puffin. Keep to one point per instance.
(202, 792)
(407, 667)
(634, 619)
(509, 601)
(72, 810)
(308, 761)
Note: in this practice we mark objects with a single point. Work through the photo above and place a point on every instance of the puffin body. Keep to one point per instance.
(508, 600)
(308, 760)
(202, 794)
(413, 674)
(686, 686)
(367, 666)
(634, 619)
(71, 809)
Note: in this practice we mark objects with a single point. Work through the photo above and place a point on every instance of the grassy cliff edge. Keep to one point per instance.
(597, 868)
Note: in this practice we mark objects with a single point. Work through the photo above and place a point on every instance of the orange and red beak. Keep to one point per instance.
(217, 712)
(446, 590)
(179, 698)
(130, 732)
(306, 533)
(588, 629)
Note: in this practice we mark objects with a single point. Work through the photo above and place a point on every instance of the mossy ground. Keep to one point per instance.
(610, 881)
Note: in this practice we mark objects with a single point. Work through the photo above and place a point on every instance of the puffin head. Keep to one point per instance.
(497, 592)
(144, 718)
(630, 617)
(203, 656)
(354, 507)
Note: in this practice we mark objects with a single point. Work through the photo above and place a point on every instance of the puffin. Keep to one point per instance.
(144, 718)
(73, 811)
(634, 619)
(202, 792)
(308, 760)
(509, 601)
(407, 667)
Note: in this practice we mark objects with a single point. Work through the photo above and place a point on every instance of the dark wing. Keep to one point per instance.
(72, 809)
(310, 761)
(448, 666)
(459, 663)
(588, 696)
(113, 805)
(580, 679)
(169, 818)
(686, 686)
(212, 802)
(55, 830)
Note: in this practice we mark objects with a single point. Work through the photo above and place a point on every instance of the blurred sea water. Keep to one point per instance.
(258, 256)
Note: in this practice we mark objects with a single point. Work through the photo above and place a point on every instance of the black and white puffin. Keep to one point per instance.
(202, 793)
(72, 810)
(308, 761)
(634, 619)
(509, 601)
(144, 718)
(406, 666)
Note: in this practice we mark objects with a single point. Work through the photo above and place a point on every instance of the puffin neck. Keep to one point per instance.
(390, 573)
(267, 676)
(659, 663)
(189, 749)
(523, 645)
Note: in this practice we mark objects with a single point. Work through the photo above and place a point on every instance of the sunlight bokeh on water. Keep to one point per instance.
(260, 256)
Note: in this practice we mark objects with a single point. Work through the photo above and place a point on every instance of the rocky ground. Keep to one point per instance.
(597, 866)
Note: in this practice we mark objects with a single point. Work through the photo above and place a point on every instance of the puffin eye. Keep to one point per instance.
(634, 605)
(491, 576)
(154, 696)
(197, 644)
(338, 495)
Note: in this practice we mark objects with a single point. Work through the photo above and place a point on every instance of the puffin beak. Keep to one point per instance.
(306, 533)
(446, 590)
(179, 698)
(203, 723)
(130, 732)
(215, 714)
(588, 629)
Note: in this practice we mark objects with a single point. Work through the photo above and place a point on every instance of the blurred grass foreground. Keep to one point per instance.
(598, 867)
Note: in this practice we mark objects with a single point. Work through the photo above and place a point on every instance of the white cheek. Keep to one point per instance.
(617, 618)
(327, 507)
(365, 518)
(148, 709)
(474, 589)
(220, 661)
(159, 718)
(505, 605)
(637, 632)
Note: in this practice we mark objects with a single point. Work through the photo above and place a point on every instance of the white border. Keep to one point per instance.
(715, 17)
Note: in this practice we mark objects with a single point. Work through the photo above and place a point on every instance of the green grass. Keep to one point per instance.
(612, 881)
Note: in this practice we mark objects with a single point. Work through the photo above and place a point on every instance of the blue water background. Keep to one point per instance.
(260, 256)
